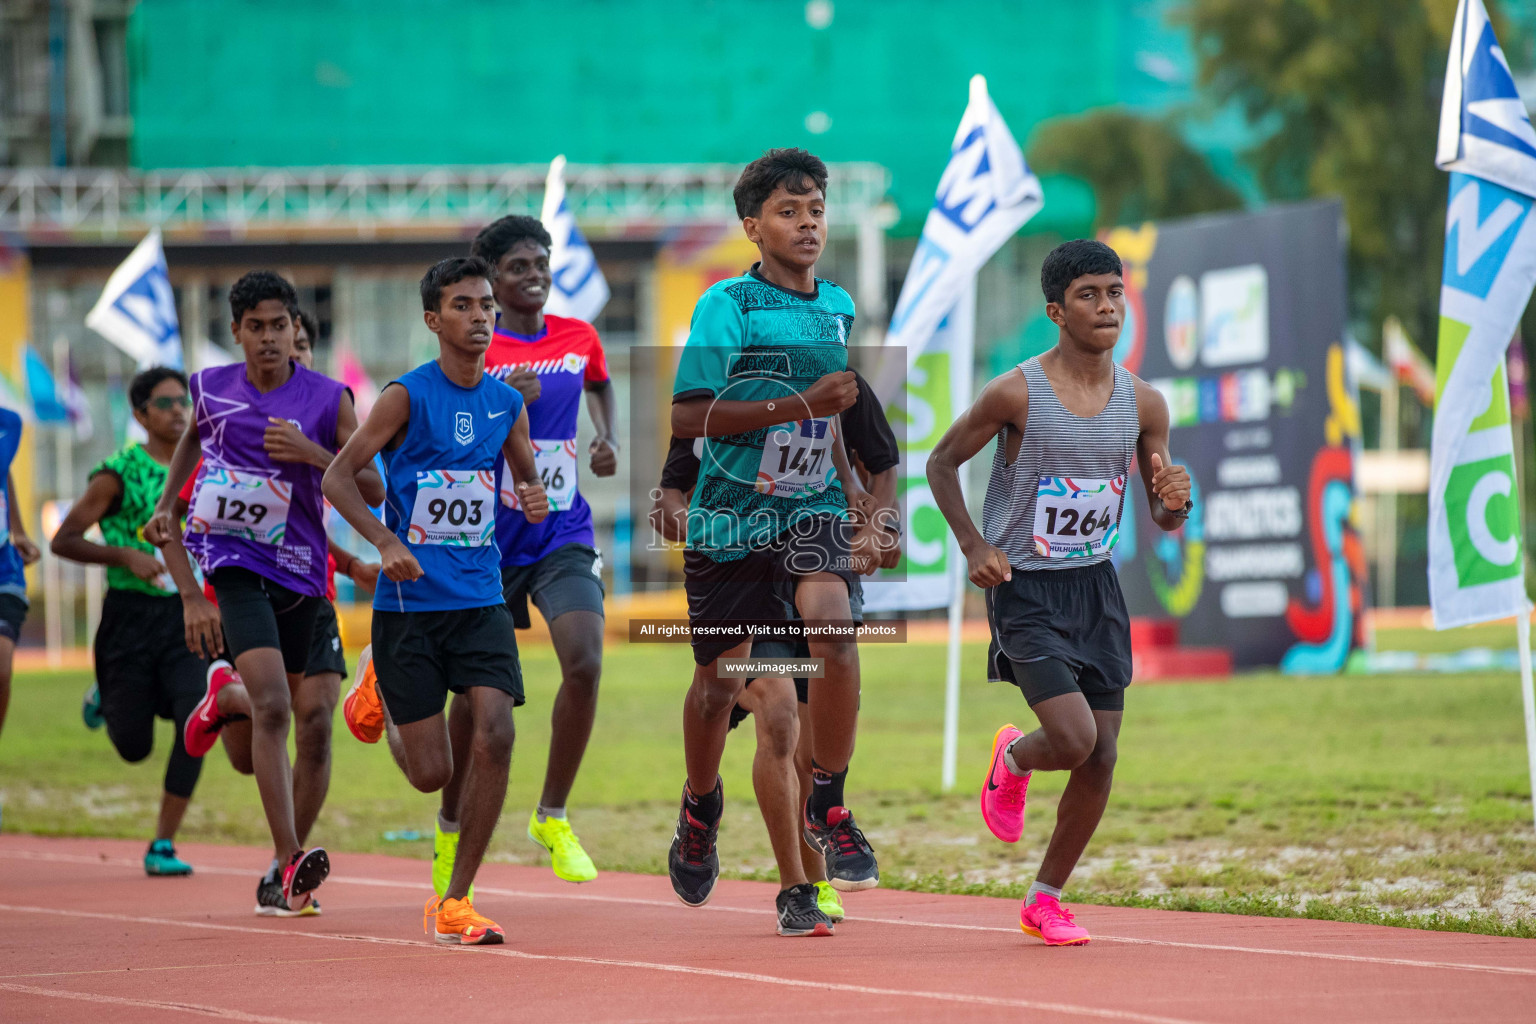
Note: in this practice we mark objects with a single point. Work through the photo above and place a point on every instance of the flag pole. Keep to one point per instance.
(1528, 698)
(961, 372)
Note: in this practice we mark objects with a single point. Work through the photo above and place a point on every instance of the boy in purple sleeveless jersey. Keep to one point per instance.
(256, 526)
(1068, 424)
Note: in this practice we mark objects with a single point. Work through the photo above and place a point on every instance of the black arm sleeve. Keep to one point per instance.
(867, 432)
(681, 471)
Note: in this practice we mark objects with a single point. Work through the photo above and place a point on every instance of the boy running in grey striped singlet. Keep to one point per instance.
(1067, 425)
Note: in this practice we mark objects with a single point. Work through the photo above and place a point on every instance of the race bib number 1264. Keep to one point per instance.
(1076, 517)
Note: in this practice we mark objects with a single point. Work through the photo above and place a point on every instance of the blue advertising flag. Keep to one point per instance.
(137, 309)
(579, 289)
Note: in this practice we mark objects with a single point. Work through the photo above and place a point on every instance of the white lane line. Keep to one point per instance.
(385, 883)
(1069, 1009)
(238, 965)
(149, 1004)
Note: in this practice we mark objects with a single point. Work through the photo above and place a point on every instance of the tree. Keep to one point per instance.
(1347, 97)
(1140, 168)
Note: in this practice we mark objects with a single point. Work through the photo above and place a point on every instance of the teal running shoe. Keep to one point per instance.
(90, 708)
(161, 859)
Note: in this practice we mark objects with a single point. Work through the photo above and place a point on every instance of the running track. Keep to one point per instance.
(84, 936)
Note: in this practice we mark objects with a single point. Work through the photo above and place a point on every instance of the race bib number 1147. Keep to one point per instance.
(1077, 517)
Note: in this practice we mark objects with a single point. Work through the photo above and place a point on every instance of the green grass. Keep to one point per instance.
(1390, 799)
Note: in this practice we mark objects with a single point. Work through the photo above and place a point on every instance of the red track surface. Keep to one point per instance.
(84, 936)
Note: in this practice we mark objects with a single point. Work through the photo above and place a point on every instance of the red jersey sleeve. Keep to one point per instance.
(186, 488)
(597, 359)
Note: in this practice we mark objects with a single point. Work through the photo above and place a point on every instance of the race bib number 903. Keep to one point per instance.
(454, 507)
(1077, 517)
(240, 504)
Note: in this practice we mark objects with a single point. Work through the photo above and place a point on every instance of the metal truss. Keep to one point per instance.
(108, 204)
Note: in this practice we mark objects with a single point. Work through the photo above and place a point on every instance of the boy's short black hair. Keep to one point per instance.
(498, 237)
(144, 383)
(1072, 260)
(787, 167)
(257, 287)
(450, 271)
(307, 321)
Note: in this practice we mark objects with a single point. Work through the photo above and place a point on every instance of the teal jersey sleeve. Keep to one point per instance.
(715, 335)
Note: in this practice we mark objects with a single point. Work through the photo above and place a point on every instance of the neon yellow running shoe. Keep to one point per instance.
(445, 849)
(566, 856)
(827, 901)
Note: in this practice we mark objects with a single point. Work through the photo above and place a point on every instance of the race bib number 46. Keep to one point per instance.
(454, 507)
(1077, 517)
(239, 504)
(556, 465)
(797, 459)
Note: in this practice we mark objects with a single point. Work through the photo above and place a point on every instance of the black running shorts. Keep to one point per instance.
(325, 653)
(1076, 617)
(725, 597)
(568, 579)
(421, 657)
(13, 612)
(260, 613)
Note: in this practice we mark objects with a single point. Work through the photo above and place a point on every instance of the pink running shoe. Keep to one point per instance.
(303, 875)
(204, 723)
(1047, 919)
(1002, 795)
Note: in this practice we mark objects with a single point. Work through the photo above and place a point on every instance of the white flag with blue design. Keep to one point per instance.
(985, 195)
(137, 310)
(1476, 563)
(579, 289)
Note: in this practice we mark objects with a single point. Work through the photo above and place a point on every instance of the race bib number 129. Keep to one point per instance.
(1077, 517)
(454, 507)
(236, 503)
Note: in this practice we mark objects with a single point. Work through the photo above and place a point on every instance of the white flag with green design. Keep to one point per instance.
(1476, 561)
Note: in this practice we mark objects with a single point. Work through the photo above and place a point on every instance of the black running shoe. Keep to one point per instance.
(692, 863)
(799, 914)
(850, 860)
(269, 898)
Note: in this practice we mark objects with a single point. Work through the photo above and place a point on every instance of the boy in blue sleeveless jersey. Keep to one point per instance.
(16, 553)
(440, 623)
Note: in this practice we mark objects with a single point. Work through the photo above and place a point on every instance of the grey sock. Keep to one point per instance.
(1011, 764)
(444, 825)
(274, 871)
(545, 813)
(1038, 887)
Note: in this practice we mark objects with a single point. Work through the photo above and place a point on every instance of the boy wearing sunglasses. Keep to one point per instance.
(144, 669)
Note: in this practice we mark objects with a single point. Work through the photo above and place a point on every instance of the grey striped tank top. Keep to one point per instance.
(1058, 505)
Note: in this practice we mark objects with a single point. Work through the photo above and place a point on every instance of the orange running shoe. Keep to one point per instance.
(458, 922)
(362, 709)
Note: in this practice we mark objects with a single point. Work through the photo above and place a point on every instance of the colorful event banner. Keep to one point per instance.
(1239, 321)
(1476, 568)
(985, 195)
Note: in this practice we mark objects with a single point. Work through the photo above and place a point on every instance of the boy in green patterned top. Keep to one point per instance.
(144, 668)
(762, 380)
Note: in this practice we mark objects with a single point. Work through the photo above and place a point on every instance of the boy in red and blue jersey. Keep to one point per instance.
(553, 361)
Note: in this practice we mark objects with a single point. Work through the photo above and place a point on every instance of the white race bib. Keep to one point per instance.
(1077, 517)
(455, 507)
(797, 459)
(556, 465)
(241, 504)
